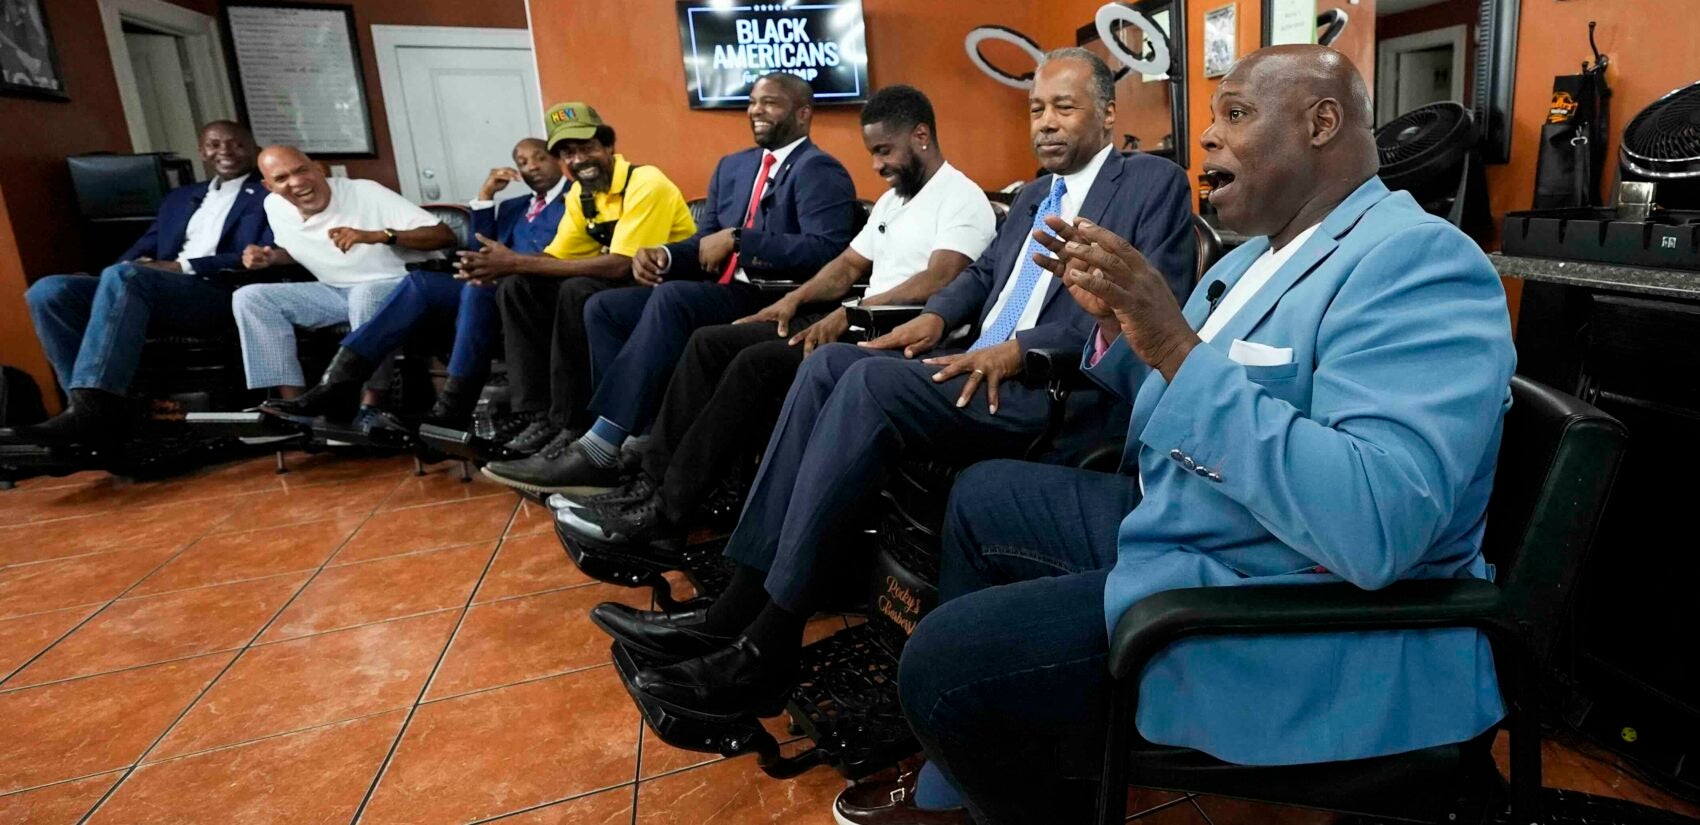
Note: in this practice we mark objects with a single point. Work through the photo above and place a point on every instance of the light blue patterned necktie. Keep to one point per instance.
(1026, 278)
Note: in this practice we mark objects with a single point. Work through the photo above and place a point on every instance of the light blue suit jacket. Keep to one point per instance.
(1368, 459)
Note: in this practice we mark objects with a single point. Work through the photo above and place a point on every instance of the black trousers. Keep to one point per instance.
(720, 404)
(547, 352)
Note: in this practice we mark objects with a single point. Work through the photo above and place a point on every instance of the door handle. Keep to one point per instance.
(427, 174)
(431, 191)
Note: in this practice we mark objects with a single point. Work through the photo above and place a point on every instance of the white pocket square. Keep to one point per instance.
(1248, 354)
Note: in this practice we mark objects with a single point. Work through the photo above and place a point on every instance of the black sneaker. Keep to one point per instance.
(560, 467)
(534, 437)
(637, 489)
(506, 426)
(639, 523)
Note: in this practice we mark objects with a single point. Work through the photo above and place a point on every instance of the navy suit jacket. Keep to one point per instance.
(806, 217)
(505, 222)
(1140, 197)
(246, 224)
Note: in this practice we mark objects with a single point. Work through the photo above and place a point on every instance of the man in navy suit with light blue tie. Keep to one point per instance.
(525, 225)
(781, 210)
(177, 278)
(853, 410)
(1332, 414)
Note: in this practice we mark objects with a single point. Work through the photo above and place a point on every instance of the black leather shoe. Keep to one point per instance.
(640, 487)
(337, 394)
(730, 682)
(536, 435)
(663, 638)
(455, 405)
(92, 417)
(510, 424)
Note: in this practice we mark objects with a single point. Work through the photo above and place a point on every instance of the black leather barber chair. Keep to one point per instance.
(1557, 463)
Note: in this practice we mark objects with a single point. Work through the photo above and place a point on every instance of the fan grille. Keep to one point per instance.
(1423, 141)
(1664, 139)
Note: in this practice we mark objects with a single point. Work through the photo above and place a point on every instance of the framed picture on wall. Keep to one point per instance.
(1289, 21)
(1219, 44)
(298, 77)
(29, 64)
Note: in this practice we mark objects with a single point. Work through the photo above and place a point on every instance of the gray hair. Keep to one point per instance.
(1103, 80)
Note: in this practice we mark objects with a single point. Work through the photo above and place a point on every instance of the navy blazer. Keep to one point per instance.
(505, 221)
(246, 224)
(1140, 197)
(806, 217)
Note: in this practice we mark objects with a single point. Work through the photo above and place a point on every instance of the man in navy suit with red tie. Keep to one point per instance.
(177, 278)
(781, 210)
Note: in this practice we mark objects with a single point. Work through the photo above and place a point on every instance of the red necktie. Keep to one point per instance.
(537, 204)
(750, 215)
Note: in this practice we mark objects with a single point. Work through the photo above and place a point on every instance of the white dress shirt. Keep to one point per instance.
(779, 156)
(548, 197)
(207, 224)
(1078, 185)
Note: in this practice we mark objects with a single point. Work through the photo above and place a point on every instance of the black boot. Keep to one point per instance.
(455, 404)
(93, 416)
(338, 391)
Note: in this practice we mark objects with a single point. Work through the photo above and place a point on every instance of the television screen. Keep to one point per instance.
(727, 45)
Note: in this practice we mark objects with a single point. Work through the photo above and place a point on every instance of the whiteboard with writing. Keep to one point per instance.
(300, 78)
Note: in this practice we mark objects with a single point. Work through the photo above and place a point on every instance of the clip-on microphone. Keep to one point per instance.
(1213, 294)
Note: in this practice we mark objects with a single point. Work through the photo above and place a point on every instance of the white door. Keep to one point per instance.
(457, 109)
(162, 85)
(1424, 77)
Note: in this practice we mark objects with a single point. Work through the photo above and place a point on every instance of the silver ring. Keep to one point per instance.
(979, 372)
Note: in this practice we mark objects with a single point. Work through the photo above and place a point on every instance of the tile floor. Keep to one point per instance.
(350, 642)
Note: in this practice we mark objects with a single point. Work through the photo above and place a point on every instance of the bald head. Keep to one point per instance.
(288, 172)
(1291, 139)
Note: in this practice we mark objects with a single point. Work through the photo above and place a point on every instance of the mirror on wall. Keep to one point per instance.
(1151, 109)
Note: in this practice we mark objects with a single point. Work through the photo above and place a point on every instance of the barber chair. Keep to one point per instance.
(846, 700)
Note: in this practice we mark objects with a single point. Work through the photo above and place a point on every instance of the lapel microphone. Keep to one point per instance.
(1214, 294)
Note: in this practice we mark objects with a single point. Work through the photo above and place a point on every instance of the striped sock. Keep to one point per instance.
(602, 443)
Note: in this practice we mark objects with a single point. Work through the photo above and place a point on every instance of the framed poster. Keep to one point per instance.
(1289, 21)
(298, 77)
(1219, 44)
(29, 64)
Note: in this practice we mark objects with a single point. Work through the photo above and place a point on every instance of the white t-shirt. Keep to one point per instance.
(950, 212)
(357, 204)
(1258, 274)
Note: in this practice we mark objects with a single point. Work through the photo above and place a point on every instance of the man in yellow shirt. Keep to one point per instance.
(614, 209)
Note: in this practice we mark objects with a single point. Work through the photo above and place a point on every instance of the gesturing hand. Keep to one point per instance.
(1111, 279)
(346, 238)
(991, 366)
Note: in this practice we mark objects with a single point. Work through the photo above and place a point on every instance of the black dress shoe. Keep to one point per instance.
(560, 467)
(662, 638)
(337, 395)
(536, 436)
(93, 417)
(728, 683)
(455, 405)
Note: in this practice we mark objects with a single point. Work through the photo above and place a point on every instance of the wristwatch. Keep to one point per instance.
(737, 239)
(389, 237)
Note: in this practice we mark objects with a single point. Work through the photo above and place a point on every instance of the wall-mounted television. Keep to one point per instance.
(728, 44)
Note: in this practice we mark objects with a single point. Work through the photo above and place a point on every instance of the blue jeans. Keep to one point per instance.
(436, 299)
(1006, 682)
(93, 328)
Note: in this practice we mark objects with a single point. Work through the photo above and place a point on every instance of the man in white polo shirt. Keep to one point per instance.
(729, 385)
(354, 236)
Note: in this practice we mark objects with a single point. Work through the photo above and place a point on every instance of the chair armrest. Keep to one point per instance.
(1164, 618)
(879, 320)
(774, 287)
(1056, 368)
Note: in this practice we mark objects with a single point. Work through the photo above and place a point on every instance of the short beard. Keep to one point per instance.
(601, 184)
(909, 181)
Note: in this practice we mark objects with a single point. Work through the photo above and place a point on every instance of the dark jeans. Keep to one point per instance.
(1006, 683)
(849, 415)
(720, 405)
(548, 355)
(638, 334)
(438, 300)
(93, 328)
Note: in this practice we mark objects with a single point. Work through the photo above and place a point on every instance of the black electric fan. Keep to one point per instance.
(1431, 152)
(1662, 145)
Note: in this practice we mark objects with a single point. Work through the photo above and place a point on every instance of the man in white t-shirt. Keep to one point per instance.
(726, 392)
(354, 236)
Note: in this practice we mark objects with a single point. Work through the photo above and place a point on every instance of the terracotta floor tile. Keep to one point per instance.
(46, 504)
(152, 629)
(736, 792)
(442, 483)
(658, 757)
(1239, 812)
(314, 681)
(310, 502)
(72, 480)
(61, 804)
(26, 636)
(529, 564)
(427, 528)
(53, 585)
(509, 749)
(173, 524)
(260, 475)
(318, 775)
(613, 807)
(384, 589)
(527, 638)
(531, 518)
(88, 726)
(254, 554)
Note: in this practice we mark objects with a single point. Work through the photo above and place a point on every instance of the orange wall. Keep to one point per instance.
(18, 345)
(624, 58)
